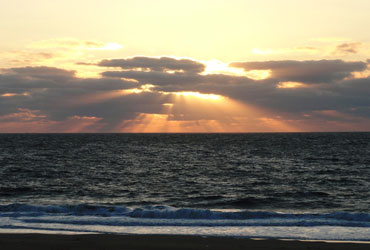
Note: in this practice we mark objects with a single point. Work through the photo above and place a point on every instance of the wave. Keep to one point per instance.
(166, 215)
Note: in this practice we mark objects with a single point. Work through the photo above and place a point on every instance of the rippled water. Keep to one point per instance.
(285, 185)
(284, 171)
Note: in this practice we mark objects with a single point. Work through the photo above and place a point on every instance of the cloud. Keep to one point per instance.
(155, 64)
(42, 72)
(14, 58)
(61, 53)
(284, 51)
(72, 43)
(317, 49)
(23, 114)
(47, 95)
(30, 78)
(55, 92)
(347, 48)
(319, 85)
(155, 77)
(322, 71)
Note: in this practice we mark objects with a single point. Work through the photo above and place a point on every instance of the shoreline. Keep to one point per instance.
(139, 242)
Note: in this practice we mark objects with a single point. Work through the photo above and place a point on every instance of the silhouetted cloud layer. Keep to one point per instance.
(323, 71)
(327, 91)
(155, 64)
(59, 93)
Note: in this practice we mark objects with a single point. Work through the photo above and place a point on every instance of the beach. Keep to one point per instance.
(138, 242)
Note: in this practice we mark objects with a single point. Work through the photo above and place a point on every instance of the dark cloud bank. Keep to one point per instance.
(155, 64)
(59, 94)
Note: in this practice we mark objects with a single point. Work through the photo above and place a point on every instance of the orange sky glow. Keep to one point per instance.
(184, 67)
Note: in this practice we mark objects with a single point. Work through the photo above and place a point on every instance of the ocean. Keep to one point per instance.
(309, 186)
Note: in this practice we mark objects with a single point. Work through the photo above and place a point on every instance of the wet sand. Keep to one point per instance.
(138, 242)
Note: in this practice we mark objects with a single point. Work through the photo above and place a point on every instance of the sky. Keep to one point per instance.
(184, 66)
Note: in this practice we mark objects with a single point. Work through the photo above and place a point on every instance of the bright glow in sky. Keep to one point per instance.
(202, 29)
(184, 66)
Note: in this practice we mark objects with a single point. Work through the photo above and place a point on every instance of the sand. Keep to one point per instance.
(136, 242)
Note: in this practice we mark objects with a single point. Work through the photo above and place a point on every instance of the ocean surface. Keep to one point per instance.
(313, 186)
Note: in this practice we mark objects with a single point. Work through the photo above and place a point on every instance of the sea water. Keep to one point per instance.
(312, 186)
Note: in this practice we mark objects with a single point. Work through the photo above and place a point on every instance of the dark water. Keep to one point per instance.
(284, 171)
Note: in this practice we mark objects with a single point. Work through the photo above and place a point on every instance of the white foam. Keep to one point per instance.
(342, 226)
